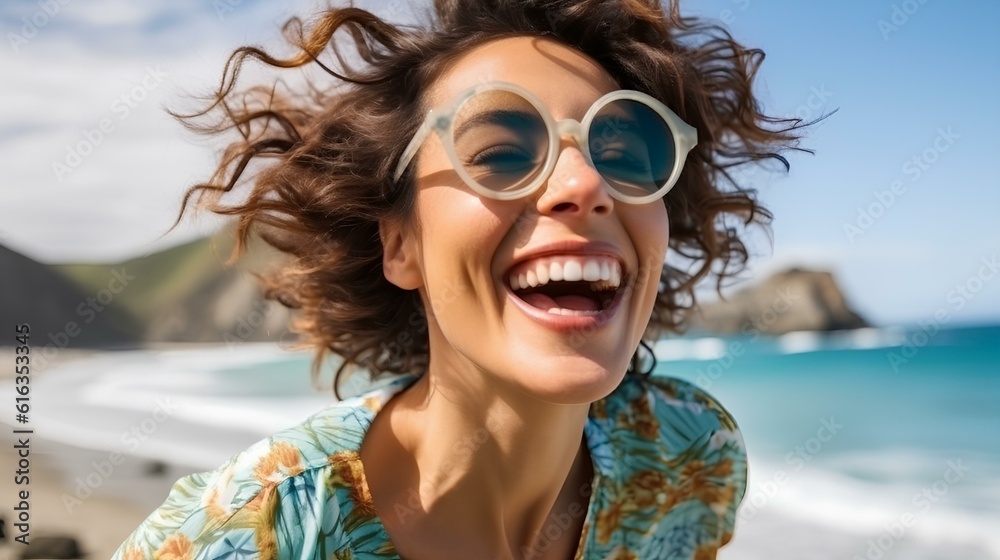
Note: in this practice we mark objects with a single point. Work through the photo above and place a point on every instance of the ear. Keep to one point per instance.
(399, 256)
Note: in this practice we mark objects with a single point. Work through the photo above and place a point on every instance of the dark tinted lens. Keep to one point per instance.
(632, 147)
(501, 140)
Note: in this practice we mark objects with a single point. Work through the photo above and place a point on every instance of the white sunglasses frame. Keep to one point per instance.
(440, 120)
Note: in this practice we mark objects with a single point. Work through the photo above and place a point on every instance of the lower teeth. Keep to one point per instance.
(572, 312)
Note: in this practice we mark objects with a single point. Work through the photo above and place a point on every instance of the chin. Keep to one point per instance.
(570, 379)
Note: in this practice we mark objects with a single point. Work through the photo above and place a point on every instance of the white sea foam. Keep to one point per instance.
(867, 338)
(855, 339)
(800, 341)
(797, 342)
(702, 349)
(185, 406)
(838, 496)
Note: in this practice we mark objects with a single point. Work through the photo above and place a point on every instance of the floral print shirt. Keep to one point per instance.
(669, 464)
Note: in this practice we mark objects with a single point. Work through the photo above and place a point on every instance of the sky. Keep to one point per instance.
(899, 201)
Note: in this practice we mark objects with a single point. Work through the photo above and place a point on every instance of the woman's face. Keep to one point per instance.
(464, 248)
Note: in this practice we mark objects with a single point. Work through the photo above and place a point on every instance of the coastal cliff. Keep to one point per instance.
(182, 294)
(59, 311)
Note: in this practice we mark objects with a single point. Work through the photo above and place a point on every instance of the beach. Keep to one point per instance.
(101, 520)
(850, 458)
(99, 513)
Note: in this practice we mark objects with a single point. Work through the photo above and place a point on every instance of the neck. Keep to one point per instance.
(491, 451)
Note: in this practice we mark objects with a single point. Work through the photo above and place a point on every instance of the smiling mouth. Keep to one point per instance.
(570, 286)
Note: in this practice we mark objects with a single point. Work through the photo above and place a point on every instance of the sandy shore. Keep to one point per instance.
(73, 493)
(63, 503)
(58, 359)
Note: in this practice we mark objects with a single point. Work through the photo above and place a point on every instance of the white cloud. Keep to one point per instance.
(104, 13)
(70, 77)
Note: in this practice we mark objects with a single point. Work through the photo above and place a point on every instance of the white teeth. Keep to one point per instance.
(572, 271)
(568, 269)
(542, 272)
(571, 312)
(555, 272)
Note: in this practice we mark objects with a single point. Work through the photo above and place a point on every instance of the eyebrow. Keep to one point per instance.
(496, 117)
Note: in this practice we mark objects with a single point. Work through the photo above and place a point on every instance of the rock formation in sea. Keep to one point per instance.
(791, 300)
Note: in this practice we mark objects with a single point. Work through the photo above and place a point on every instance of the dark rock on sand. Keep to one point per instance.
(52, 548)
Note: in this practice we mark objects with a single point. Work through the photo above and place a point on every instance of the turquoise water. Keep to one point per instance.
(853, 432)
(945, 399)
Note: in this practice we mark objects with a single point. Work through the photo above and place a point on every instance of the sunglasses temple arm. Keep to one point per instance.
(411, 149)
(688, 137)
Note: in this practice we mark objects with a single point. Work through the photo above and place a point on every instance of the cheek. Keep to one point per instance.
(456, 226)
(459, 239)
(650, 231)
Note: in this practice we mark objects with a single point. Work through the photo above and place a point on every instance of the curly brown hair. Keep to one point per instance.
(324, 156)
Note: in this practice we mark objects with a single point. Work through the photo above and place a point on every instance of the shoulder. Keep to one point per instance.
(678, 461)
(298, 482)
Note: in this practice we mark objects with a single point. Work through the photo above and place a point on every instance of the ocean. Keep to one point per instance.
(872, 444)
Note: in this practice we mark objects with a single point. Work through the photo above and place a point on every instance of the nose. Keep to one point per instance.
(575, 188)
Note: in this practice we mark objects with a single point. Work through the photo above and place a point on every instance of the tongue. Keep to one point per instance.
(577, 303)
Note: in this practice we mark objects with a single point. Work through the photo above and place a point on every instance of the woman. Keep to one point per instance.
(482, 208)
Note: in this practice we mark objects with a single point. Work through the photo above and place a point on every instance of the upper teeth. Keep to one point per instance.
(541, 271)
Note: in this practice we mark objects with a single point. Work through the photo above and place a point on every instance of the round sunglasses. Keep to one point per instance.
(504, 143)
